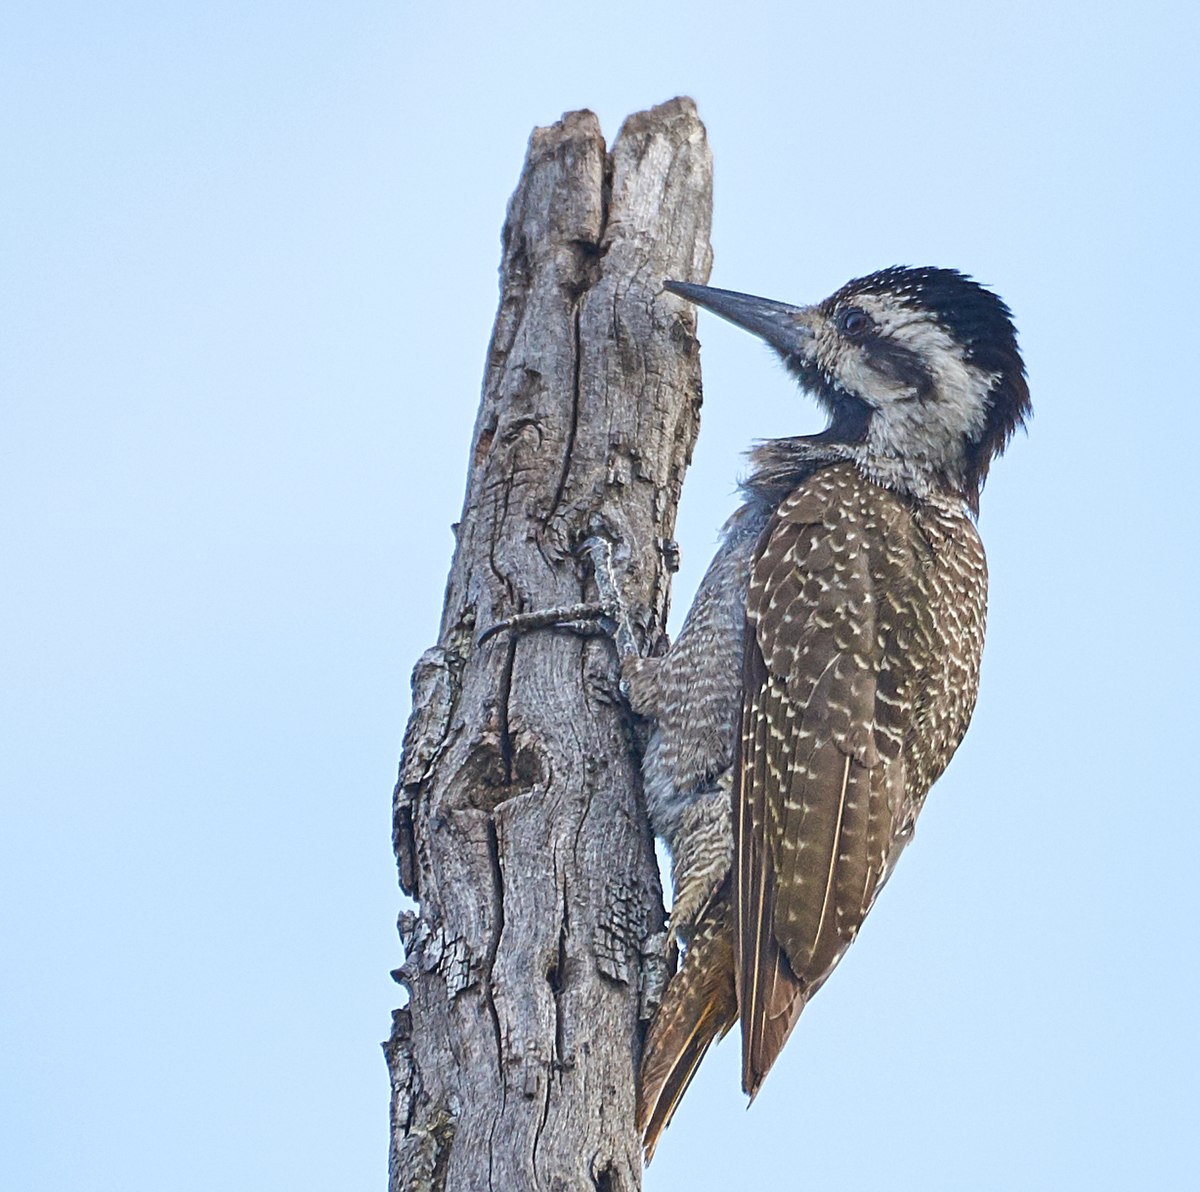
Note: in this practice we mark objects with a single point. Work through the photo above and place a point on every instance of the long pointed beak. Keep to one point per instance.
(786, 328)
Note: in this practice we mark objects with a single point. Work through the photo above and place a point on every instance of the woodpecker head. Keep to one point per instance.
(918, 367)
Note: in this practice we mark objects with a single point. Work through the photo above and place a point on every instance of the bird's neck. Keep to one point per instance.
(778, 466)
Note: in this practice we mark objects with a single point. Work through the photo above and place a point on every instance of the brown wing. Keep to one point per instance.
(820, 773)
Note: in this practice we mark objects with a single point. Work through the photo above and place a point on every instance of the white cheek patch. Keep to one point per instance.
(856, 374)
(929, 431)
(962, 389)
(848, 366)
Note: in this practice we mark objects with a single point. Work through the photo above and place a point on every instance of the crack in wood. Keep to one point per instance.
(502, 704)
(573, 417)
(489, 994)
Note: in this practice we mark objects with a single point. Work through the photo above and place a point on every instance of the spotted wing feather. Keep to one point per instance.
(820, 774)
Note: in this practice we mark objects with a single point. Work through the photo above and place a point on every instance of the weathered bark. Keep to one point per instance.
(519, 827)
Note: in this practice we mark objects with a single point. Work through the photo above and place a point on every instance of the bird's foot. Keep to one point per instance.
(609, 615)
(599, 550)
(581, 618)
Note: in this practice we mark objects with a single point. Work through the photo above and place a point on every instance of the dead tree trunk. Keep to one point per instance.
(518, 820)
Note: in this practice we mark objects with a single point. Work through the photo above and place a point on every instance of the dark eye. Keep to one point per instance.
(854, 322)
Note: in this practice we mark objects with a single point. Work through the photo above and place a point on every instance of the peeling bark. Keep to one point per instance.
(518, 824)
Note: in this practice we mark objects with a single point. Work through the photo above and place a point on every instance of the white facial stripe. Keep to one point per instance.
(927, 434)
(962, 388)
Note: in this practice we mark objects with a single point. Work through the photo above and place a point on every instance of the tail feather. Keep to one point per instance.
(700, 1004)
(768, 1020)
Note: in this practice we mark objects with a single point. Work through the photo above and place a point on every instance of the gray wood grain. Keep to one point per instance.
(519, 827)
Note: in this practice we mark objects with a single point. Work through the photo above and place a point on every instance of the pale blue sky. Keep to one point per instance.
(249, 259)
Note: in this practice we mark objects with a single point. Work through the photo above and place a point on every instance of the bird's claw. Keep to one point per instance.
(599, 550)
(582, 618)
(608, 615)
